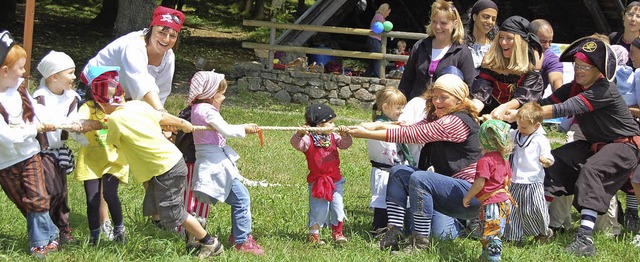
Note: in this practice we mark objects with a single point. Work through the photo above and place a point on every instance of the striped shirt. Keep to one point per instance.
(448, 128)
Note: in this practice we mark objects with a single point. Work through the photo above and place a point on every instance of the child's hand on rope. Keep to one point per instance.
(89, 125)
(343, 130)
(250, 128)
(187, 127)
(302, 133)
(45, 127)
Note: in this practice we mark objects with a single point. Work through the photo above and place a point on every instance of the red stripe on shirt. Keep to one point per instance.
(447, 128)
(586, 102)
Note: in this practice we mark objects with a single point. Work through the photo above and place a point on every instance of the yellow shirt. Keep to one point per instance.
(134, 129)
(98, 157)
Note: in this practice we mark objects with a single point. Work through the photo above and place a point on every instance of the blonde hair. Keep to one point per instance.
(390, 96)
(384, 8)
(518, 63)
(15, 53)
(464, 105)
(530, 113)
(402, 43)
(449, 10)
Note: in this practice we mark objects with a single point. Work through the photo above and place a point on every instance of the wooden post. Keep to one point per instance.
(272, 41)
(29, 14)
(383, 62)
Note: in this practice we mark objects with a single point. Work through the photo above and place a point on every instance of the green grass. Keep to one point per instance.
(279, 213)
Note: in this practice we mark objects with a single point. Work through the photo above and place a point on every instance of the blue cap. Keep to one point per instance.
(96, 71)
(448, 70)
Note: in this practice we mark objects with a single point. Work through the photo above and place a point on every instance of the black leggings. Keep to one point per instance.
(92, 193)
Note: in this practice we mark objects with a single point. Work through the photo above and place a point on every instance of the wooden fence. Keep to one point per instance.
(333, 52)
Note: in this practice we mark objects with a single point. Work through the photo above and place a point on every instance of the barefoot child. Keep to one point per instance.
(134, 129)
(216, 177)
(325, 180)
(491, 186)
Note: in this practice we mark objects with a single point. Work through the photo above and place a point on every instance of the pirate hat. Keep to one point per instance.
(600, 54)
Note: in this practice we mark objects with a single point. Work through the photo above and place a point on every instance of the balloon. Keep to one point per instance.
(387, 26)
(377, 27)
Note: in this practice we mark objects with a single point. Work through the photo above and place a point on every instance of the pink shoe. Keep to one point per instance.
(315, 239)
(52, 246)
(250, 246)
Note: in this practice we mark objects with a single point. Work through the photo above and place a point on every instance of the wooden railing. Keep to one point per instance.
(333, 52)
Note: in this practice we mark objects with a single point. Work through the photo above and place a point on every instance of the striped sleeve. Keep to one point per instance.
(448, 128)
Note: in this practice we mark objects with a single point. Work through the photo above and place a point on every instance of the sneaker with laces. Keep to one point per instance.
(119, 235)
(338, 238)
(582, 245)
(474, 228)
(250, 247)
(53, 246)
(390, 237)
(315, 239)
(416, 242)
(39, 252)
(107, 229)
(636, 240)
(631, 221)
(66, 237)
(210, 250)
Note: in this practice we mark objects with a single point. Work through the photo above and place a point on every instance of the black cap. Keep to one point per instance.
(6, 42)
(600, 53)
(318, 113)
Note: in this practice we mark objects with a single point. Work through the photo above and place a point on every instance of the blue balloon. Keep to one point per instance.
(377, 27)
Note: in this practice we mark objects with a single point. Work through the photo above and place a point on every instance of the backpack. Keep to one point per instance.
(184, 141)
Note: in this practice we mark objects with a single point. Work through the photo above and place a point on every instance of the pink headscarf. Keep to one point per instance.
(204, 85)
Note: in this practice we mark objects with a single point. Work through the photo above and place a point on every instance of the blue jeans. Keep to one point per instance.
(373, 45)
(40, 229)
(436, 197)
(240, 203)
(320, 208)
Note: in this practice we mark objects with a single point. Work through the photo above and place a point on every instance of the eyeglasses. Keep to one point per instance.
(577, 67)
(164, 34)
(633, 15)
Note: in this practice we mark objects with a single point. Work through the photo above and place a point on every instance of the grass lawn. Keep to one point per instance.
(279, 213)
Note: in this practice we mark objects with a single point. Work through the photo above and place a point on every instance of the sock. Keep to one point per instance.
(207, 239)
(588, 220)
(395, 213)
(314, 231)
(94, 233)
(632, 204)
(422, 224)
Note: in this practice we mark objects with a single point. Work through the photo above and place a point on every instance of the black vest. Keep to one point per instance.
(449, 158)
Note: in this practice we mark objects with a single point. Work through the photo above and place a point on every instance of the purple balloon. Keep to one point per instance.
(377, 27)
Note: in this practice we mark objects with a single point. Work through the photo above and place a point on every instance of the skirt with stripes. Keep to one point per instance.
(531, 217)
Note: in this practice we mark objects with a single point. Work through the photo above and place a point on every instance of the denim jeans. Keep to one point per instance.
(430, 192)
(40, 229)
(320, 208)
(240, 203)
(373, 45)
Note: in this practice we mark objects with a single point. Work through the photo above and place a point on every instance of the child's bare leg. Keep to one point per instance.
(194, 228)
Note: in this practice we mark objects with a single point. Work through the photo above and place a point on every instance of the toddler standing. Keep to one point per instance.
(384, 155)
(216, 177)
(99, 166)
(531, 154)
(491, 186)
(325, 180)
(61, 104)
(402, 50)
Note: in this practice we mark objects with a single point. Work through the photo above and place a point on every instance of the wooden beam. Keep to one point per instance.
(29, 14)
(321, 51)
(598, 18)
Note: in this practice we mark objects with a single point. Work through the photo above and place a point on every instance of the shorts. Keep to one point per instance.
(164, 196)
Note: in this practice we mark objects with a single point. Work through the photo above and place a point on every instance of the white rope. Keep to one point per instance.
(203, 128)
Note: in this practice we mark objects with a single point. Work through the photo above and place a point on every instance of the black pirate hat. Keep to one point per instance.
(318, 113)
(600, 53)
(6, 42)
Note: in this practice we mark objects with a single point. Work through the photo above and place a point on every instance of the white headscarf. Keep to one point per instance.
(54, 62)
(204, 85)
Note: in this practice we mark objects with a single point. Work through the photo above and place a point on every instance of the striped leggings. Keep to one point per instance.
(531, 217)
(193, 206)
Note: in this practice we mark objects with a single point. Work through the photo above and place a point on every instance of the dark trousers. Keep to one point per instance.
(592, 178)
(24, 184)
(109, 185)
(373, 45)
(56, 184)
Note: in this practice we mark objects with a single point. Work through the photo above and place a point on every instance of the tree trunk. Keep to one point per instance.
(8, 12)
(301, 8)
(107, 16)
(133, 15)
(257, 12)
(248, 6)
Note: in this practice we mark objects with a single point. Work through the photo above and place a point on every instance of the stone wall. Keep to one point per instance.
(304, 87)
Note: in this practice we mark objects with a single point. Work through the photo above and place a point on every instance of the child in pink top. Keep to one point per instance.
(491, 186)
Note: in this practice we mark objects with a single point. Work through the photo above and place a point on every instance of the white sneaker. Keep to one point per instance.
(107, 229)
(636, 240)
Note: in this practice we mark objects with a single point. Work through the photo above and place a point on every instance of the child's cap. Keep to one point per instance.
(164, 16)
(96, 71)
(204, 85)
(6, 42)
(104, 87)
(622, 54)
(491, 128)
(318, 113)
(54, 62)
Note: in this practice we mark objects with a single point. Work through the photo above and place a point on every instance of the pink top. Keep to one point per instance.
(376, 18)
(495, 170)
